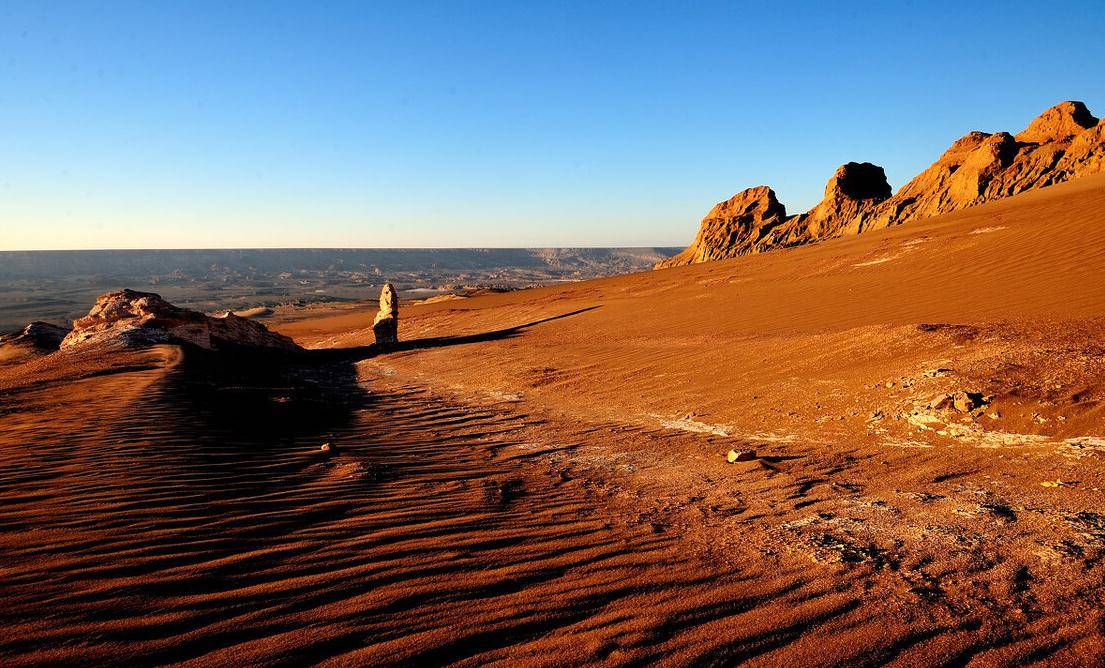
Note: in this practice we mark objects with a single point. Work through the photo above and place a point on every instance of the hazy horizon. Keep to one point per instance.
(491, 125)
(327, 248)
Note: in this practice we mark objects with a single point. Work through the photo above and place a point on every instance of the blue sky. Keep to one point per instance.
(193, 124)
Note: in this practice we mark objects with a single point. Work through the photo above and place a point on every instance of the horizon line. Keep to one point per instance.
(331, 248)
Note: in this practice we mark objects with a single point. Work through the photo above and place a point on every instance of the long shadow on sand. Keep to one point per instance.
(261, 401)
(358, 353)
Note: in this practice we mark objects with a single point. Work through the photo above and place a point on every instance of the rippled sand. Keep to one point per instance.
(539, 478)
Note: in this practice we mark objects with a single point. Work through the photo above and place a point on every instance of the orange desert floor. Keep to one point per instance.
(540, 477)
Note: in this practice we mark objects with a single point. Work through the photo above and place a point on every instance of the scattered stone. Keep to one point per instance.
(503, 492)
(940, 401)
(995, 415)
(936, 373)
(965, 402)
(327, 448)
(740, 456)
(1000, 510)
(386, 324)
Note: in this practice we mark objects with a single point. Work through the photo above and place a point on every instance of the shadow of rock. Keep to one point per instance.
(357, 353)
(263, 400)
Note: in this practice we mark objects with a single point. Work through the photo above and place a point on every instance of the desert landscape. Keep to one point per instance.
(868, 434)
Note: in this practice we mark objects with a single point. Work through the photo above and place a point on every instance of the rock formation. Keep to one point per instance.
(386, 324)
(131, 318)
(1063, 143)
(37, 336)
(740, 225)
(1084, 155)
(1060, 123)
(851, 195)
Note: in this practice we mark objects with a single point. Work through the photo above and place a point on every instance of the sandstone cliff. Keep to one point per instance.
(128, 317)
(1063, 143)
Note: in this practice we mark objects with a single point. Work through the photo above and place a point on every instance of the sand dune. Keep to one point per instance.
(539, 477)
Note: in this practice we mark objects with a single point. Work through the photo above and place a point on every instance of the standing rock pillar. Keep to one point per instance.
(386, 324)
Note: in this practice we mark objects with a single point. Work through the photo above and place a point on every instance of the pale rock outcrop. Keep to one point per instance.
(132, 318)
(37, 336)
(1063, 143)
(386, 324)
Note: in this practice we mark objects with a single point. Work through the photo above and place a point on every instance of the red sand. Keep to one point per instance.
(554, 490)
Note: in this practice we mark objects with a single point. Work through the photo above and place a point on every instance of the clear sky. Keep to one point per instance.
(332, 124)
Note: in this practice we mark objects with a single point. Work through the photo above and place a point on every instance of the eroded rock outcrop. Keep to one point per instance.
(1063, 143)
(851, 195)
(1085, 155)
(386, 324)
(132, 318)
(743, 224)
(39, 336)
(1059, 123)
(955, 181)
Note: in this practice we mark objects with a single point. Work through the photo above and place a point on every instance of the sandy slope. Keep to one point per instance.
(824, 357)
(552, 489)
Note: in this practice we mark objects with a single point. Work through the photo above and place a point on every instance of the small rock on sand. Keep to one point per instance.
(740, 456)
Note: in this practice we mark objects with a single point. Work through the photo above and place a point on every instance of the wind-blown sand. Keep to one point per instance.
(553, 489)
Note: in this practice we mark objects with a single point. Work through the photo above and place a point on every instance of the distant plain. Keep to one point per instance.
(57, 286)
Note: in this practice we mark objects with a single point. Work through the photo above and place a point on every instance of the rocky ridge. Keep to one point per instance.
(1063, 143)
